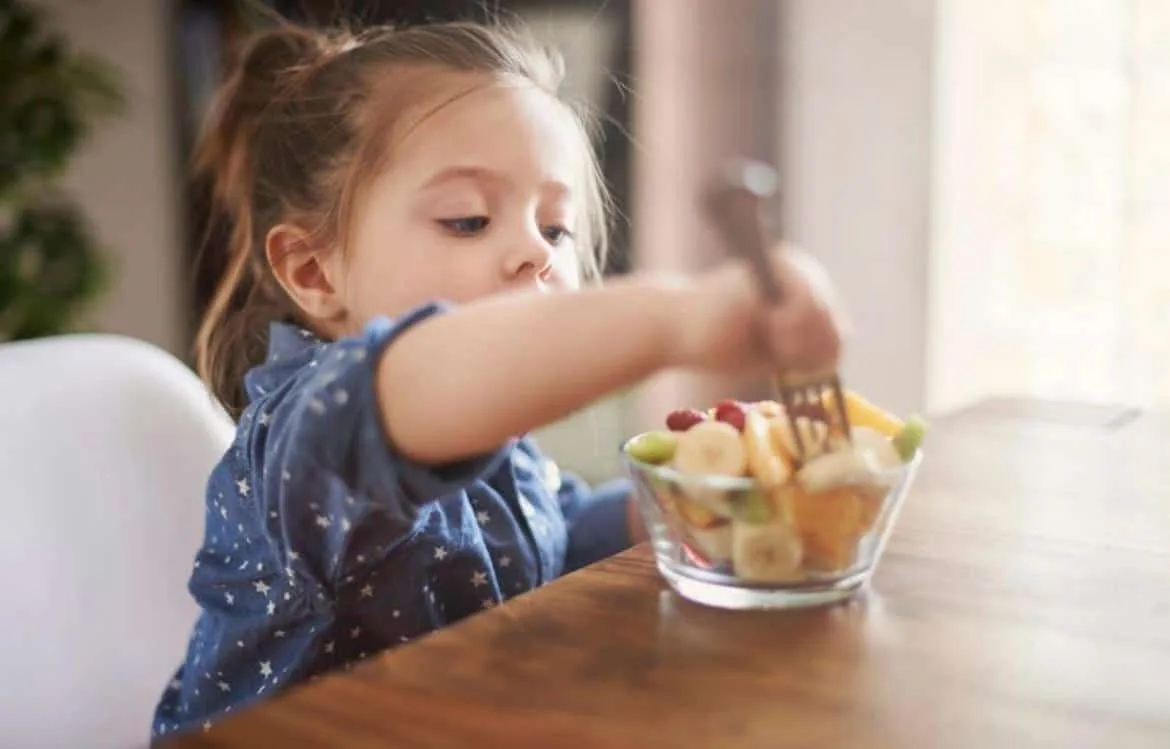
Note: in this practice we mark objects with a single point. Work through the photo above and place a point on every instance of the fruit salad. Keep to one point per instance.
(734, 488)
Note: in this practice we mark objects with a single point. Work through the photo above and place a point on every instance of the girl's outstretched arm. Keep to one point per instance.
(459, 384)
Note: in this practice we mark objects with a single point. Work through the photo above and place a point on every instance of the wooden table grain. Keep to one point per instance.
(1023, 601)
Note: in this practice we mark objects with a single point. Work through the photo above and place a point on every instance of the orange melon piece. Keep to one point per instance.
(830, 524)
(871, 505)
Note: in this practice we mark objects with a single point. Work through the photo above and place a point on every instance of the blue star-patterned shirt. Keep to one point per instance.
(323, 545)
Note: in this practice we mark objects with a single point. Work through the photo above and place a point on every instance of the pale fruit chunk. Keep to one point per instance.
(655, 447)
(840, 468)
(696, 514)
(769, 409)
(764, 553)
(881, 447)
(714, 543)
(711, 448)
(814, 437)
(766, 462)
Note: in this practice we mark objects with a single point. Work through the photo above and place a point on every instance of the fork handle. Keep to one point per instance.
(735, 207)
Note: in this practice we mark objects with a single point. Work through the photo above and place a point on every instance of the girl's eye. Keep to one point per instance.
(556, 234)
(465, 226)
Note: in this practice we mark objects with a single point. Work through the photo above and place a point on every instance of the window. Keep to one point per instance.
(1051, 259)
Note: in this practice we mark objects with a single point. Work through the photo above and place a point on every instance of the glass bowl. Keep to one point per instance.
(729, 543)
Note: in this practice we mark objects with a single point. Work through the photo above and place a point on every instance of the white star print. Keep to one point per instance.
(271, 608)
(272, 515)
(488, 603)
(527, 508)
(279, 634)
(243, 487)
(483, 517)
(223, 686)
(223, 512)
(350, 500)
(287, 596)
(361, 558)
(346, 525)
(323, 521)
(478, 579)
(359, 354)
(440, 553)
(368, 591)
(239, 643)
(206, 725)
(353, 633)
(261, 587)
(314, 506)
(316, 406)
(340, 397)
(176, 684)
(396, 613)
(266, 668)
(263, 418)
(229, 598)
(244, 564)
(505, 561)
(329, 647)
(285, 475)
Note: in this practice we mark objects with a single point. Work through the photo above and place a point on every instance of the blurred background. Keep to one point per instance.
(987, 180)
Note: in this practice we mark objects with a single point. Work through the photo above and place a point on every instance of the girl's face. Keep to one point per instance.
(478, 199)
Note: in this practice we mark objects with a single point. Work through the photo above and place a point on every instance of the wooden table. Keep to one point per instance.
(1024, 600)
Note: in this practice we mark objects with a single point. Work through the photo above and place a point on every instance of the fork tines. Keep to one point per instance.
(806, 398)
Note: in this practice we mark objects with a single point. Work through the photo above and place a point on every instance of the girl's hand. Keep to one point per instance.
(729, 326)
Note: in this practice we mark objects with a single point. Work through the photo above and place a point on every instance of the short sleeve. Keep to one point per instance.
(596, 519)
(329, 466)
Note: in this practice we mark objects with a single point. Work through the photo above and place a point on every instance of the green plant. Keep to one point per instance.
(50, 267)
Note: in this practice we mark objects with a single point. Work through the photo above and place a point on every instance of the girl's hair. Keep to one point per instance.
(297, 129)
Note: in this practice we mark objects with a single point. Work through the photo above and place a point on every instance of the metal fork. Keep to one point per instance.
(735, 206)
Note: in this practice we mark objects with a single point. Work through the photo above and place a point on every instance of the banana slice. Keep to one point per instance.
(764, 553)
(877, 444)
(711, 448)
(837, 469)
(765, 460)
(814, 437)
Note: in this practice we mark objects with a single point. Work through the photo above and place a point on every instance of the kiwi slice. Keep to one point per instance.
(907, 441)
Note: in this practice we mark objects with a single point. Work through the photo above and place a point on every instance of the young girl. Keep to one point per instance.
(408, 209)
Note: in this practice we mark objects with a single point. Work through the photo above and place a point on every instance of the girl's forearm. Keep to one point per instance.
(462, 383)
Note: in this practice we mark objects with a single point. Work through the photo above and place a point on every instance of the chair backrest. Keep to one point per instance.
(106, 444)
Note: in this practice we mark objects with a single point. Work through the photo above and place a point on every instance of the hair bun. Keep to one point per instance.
(270, 63)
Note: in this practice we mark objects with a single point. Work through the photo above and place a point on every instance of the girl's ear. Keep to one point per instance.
(302, 269)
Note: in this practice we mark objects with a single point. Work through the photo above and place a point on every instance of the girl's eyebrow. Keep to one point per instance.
(489, 177)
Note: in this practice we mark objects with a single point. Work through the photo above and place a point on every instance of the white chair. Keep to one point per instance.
(105, 448)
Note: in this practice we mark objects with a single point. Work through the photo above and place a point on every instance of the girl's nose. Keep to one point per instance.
(530, 257)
